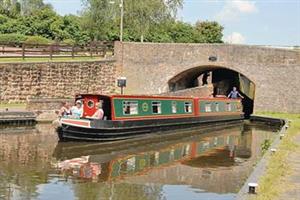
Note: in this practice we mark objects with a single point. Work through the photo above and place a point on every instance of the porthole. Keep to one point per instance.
(90, 104)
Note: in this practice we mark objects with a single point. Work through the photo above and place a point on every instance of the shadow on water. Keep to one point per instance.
(207, 163)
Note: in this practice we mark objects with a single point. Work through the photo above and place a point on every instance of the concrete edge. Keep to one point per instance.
(261, 166)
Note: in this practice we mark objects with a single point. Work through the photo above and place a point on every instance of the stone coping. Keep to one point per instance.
(215, 44)
(67, 61)
(261, 166)
(48, 100)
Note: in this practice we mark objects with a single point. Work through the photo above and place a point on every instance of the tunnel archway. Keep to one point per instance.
(215, 81)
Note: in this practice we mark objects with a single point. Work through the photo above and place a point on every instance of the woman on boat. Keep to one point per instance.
(64, 110)
(99, 113)
(77, 110)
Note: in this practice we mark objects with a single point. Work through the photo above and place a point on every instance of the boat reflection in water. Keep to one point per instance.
(216, 162)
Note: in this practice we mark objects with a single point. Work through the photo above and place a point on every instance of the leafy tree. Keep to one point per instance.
(100, 17)
(28, 7)
(149, 20)
(210, 32)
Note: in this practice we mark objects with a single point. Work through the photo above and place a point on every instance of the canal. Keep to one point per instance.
(208, 163)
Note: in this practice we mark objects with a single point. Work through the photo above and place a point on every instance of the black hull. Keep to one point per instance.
(105, 131)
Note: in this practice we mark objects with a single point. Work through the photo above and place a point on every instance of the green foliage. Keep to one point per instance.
(37, 40)
(12, 38)
(151, 21)
(3, 19)
(69, 42)
(209, 32)
(265, 145)
(29, 7)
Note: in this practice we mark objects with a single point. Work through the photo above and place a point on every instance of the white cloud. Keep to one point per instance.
(234, 8)
(235, 38)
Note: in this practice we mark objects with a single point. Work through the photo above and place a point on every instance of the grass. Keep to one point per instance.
(49, 60)
(273, 183)
(12, 105)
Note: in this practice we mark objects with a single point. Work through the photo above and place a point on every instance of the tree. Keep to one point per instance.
(100, 17)
(209, 32)
(10, 8)
(30, 6)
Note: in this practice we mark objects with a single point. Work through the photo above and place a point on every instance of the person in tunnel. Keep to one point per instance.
(205, 78)
(234, 94)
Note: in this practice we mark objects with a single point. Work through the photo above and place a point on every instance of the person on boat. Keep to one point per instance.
(77, 110)
(234, 94)
(99, 113)
(64, 110)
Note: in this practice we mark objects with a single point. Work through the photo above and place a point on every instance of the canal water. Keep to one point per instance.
(207, 163)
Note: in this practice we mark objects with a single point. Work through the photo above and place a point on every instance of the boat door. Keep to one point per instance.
(89, 107)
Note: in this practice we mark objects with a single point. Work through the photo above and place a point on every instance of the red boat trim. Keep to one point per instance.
(149, 97)
(220, 113)
(76, 122)
(156, 117)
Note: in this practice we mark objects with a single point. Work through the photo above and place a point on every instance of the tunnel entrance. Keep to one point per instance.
(215, 82)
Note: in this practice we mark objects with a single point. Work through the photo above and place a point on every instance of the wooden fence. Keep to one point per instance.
(56, 50)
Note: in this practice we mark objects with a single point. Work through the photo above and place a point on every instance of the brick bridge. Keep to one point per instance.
(271, 76)
(268, 77)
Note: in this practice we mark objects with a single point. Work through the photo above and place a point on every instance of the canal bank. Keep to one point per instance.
(197, 164)
(282, 168)
(281, 178)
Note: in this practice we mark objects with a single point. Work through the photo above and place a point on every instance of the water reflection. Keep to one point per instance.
(195, 164)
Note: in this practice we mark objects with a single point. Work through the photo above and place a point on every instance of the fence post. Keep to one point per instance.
(23, 51)
(104, 50)
(91, 51)
(51, 51)
(73, 51)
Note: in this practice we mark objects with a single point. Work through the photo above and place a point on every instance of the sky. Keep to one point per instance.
(260, 22)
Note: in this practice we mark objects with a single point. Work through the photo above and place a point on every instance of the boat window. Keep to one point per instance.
(130, 107)
(208, 107)
(174, 107)
(156, 107)
(228, 106)
(90, 103)
(187, 107)
(217, 107)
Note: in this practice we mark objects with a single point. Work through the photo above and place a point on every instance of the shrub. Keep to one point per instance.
(37, 40)
(12, 38)
(69, 42)
(3, 19)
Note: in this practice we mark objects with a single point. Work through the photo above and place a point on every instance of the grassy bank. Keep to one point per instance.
(273, 183)
(14, 106)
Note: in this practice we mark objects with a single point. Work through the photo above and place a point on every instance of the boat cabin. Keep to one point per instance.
(129, 107)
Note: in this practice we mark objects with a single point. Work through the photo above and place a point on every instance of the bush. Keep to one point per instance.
(69, 42)
(37, 40)
(12, 38)
(3, 19)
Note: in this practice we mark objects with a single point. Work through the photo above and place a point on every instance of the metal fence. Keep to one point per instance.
(56, 50)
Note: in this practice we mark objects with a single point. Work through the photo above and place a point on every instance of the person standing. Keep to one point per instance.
(234, 94)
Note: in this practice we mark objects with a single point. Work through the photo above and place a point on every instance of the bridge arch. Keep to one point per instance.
(213, 80)
(149, 67)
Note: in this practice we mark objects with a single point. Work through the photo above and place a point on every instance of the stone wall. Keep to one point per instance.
(275, 72)
(20, 81)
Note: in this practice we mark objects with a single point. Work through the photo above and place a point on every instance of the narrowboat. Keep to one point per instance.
(128, 116)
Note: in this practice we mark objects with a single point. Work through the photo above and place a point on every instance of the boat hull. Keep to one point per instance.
(105, 130)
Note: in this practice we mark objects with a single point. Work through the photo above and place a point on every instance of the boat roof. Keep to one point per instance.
(152, 96)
